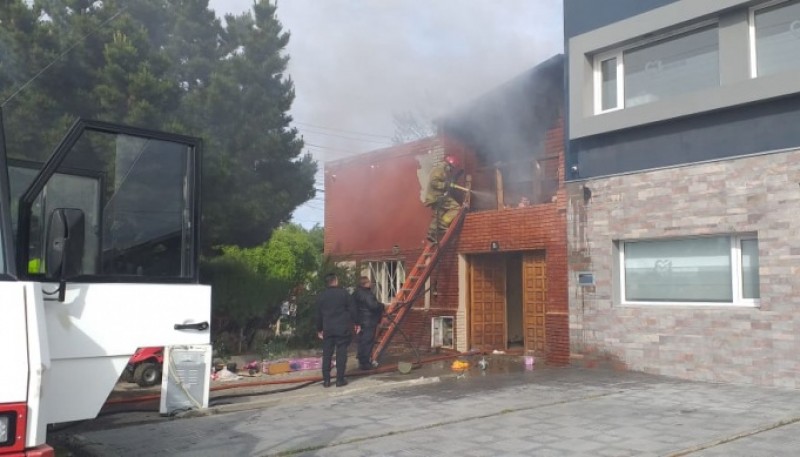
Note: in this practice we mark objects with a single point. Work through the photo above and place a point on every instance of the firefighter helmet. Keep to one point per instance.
(451, 160)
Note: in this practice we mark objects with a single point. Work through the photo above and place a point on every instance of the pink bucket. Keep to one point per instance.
(529, 360)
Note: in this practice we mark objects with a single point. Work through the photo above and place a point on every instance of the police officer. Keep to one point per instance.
(336, 315)
(370, 311)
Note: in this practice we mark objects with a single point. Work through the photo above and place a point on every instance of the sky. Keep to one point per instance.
(356, 62)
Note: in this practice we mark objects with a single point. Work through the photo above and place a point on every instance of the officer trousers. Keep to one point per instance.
(339, 343)
(366, 339)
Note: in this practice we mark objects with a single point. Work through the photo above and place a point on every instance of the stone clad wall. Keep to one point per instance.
(757, 194)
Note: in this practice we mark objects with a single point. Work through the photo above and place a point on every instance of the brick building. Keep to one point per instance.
(683, 164)
(503, 283)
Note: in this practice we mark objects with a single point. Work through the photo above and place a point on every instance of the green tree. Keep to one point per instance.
(169, 65)
(250, 284)
(248, 99)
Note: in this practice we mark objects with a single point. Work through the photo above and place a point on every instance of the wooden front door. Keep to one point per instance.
(534, 300)
(488, 302)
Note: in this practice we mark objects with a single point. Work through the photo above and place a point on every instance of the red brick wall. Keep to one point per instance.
(539, 227)
(372, 203)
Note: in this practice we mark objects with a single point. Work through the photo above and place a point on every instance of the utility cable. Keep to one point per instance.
(311, 132)
(343, 130)
(65, 52)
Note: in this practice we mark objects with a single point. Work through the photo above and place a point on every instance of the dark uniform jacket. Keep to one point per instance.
(336, 312)
(369, 308)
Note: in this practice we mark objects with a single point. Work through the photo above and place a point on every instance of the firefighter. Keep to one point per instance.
(438, 198)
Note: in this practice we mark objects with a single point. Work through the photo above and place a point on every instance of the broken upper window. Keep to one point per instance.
(517, 184)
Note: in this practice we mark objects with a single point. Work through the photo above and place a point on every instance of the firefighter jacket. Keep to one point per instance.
(439, 182)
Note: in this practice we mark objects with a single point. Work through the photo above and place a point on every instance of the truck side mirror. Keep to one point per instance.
(64, 248)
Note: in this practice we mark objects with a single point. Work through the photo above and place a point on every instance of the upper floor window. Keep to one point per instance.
(682, 62)
(701, 270)
(775, 37)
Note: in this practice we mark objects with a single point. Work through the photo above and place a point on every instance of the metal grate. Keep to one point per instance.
(387, 278)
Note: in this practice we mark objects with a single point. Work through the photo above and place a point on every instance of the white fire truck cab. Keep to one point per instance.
(98, 256)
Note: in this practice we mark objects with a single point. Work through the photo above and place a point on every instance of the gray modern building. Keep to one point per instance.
(683, 169)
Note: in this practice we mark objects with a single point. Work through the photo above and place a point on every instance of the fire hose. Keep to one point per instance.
(303, 380)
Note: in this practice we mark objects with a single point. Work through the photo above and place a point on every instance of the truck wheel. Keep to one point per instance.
(147, 374)
(127, 374)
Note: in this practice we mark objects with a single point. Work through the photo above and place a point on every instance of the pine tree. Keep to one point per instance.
(169, 65)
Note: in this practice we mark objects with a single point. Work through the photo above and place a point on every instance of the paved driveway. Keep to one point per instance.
(507, 411)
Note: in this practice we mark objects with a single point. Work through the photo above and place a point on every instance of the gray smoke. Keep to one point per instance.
(355, 63)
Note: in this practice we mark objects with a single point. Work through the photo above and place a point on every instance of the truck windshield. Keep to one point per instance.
(3, 269)
(135, 196)
(4, 201)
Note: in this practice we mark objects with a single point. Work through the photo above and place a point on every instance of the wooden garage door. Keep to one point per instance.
(534, 300)
(488, 302)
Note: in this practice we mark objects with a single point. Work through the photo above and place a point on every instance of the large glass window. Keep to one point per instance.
(776, 38)
(672, 67)
(719, 269)
(644, 73)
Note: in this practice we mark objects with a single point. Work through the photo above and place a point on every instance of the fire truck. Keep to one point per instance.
(98, 256)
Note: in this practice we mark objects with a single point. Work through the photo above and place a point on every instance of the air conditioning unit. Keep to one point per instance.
(442, 332)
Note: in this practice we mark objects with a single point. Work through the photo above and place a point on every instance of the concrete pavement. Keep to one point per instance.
(505, 411)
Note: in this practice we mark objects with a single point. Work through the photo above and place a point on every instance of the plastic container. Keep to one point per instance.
(529, 360)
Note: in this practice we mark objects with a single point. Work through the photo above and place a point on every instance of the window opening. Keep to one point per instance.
(387, 278)
(442, 332)
(676, 63)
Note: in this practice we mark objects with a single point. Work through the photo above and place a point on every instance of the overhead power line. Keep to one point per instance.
(354, 132)
(63, 53)
(340, 153)
(386, 142)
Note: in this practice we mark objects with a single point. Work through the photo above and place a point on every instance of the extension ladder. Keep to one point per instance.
(415, 281)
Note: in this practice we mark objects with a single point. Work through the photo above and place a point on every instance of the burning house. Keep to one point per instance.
(502, 283)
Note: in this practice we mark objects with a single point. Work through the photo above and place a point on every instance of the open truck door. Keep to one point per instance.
(105, 261)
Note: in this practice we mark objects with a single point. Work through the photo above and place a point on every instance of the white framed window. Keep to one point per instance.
(609, 93)
(387, 278)
(709, 270)
(442, 332)
(674, 63)
(774, 37)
